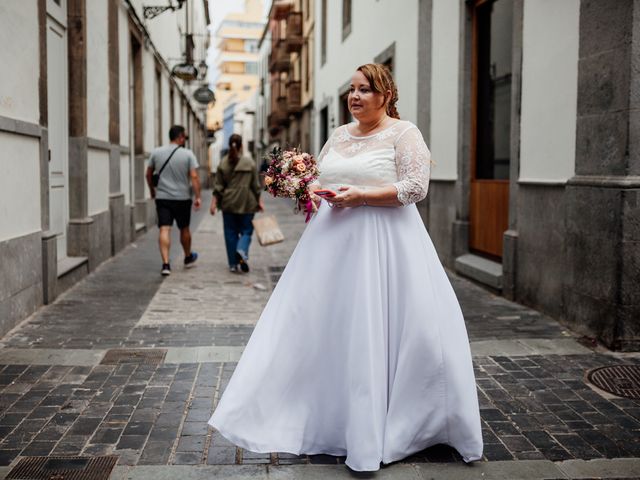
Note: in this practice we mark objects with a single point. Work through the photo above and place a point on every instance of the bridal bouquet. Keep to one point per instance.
(289, 175)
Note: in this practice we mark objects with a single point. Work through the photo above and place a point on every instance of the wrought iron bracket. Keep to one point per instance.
(154, 11)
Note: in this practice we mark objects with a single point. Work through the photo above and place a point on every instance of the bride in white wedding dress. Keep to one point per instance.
(361, 350)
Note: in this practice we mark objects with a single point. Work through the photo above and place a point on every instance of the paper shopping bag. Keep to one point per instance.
(267, 230)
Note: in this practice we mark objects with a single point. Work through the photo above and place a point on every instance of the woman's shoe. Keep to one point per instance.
(242, 262)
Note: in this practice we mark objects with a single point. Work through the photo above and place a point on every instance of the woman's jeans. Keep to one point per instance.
(238, 230)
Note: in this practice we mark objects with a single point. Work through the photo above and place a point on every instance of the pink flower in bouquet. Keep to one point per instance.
(289, 175)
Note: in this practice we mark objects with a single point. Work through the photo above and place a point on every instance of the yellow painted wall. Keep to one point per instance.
(234, 45)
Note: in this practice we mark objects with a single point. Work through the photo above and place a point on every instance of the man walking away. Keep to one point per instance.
(175, 169)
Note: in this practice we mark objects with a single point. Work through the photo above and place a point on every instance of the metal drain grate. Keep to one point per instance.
(275, 272)
(621, 380)
(117, 356)
(63, 468)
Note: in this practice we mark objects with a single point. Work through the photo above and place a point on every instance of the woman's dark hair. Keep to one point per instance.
(235, 146)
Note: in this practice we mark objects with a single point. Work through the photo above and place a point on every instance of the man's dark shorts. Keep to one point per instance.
(170, 210)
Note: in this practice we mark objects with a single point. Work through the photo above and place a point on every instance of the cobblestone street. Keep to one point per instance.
(60, 395)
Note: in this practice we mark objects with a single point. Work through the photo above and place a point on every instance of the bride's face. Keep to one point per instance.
(364, 103)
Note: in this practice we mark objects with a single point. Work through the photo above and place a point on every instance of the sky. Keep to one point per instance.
(217, 11)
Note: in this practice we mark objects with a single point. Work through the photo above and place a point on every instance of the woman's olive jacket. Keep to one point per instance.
(237, 188)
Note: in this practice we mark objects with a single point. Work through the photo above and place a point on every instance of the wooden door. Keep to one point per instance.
(58, 124)
(491, 127)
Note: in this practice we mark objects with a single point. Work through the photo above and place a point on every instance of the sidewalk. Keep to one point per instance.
(61, 395)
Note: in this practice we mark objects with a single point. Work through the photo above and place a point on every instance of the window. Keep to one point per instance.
(346, 18)
(171, 105)
(251, 67)
(324, 126)
(307, 72)
(323, 34)
(251, 46)
(387, 56)
(158, 88)
(345, 115)
(241, 24)
(493, 89)
(389, 64)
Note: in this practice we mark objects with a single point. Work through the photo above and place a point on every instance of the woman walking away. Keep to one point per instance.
(236, 191)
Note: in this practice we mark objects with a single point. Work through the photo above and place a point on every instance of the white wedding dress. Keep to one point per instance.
(362, 349)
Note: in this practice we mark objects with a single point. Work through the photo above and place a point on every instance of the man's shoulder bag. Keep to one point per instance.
(155, 178)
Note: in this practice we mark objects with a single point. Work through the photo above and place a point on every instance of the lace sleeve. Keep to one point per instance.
(413, 164)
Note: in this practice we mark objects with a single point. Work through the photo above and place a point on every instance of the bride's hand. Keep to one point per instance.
(348, 197)
(315, 198)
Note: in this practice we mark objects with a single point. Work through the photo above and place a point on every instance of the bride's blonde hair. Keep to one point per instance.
(381, 81)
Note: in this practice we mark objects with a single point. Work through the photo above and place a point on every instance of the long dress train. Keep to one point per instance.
(362, 349)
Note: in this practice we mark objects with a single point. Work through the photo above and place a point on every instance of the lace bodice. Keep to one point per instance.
(395, 156)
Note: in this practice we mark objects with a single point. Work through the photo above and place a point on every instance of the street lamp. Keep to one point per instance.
(202, 70)
(152, 12)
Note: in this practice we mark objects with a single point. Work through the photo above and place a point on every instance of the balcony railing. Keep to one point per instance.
(294, 96)
(279, 115)
(279, 60)
(294, 38)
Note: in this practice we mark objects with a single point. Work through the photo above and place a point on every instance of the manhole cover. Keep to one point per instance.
(131, 355)
(63, 468)
(621, 380)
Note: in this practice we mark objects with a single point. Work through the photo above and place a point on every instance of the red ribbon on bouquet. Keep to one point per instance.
(308, 209)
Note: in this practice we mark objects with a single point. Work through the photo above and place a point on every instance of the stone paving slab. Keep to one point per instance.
(532, 408)
(210, 295)
(80, 357)
(527, 346)
(100, 311)
(49, 356)
(203, 355)
(127, 304)
(522, 470)
(535, 404)
(610, 468)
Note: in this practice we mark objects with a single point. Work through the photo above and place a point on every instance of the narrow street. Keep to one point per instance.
(65, 391)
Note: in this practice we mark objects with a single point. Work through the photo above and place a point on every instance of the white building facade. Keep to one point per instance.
(91, 94)
(529, 108)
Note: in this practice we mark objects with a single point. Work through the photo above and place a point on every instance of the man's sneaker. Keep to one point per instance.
(242, 262)
(234, 269)
(190, 260)
(166, 269)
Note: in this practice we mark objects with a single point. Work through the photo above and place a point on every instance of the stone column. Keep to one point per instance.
(510, 237)
(603, 199)
(119, 234)
(460, 226)
(80, 223)
(425, 9)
